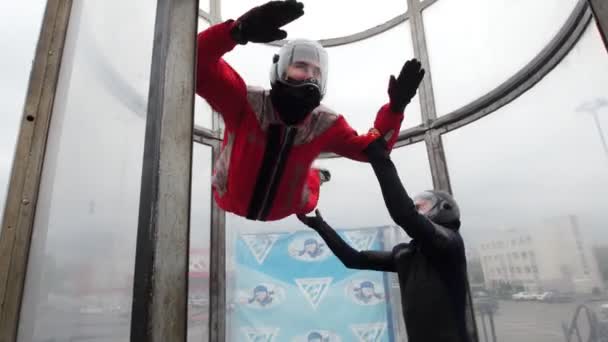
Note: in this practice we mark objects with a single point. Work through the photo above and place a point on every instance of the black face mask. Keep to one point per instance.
(294, 103)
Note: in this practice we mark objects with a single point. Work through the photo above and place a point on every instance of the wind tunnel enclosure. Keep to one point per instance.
(110, 233)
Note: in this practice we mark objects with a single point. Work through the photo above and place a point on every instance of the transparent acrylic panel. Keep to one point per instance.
(253, 61)
(532, 180)
(204, 5)
(475, 45)
(200, 218)
(358, 74)
(20, 26)
(320, 17)
(353, 197)
(272, 277)
(202, 111)
(80, 274)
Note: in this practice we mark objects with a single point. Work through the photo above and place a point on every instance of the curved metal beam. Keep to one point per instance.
(337, 41)
(206, 16)
(515, 86)
(427, 3)
(417, 134)
(206, 133)
(352, 38)
(329, 42)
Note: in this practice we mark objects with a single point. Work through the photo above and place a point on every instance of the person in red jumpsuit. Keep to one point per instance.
(272, 137)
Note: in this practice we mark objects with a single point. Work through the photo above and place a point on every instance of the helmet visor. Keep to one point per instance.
(425, 203)
(302, 64)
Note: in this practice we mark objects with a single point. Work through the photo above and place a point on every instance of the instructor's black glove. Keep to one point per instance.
(261, 24)
(402, 89)
(377, 150)
(314, 222)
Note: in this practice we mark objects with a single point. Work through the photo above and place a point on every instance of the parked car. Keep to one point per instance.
(602, 323)
(544, 296)
(524, 296)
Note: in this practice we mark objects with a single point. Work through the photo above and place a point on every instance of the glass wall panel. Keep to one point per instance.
(358, 74)
(531, 180)
(353, 195)
(204, 5)
(283, 281)
(80, 275)
(474, 45)
(200, 220)
(20, 26)
(321, 18)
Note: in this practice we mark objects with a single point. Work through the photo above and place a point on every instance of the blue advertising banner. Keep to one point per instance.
(290, 287)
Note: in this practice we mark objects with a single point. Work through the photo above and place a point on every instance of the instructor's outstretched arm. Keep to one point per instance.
(350, 257)
(401, 207)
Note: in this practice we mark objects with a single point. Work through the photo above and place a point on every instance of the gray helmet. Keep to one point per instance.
(439, 206)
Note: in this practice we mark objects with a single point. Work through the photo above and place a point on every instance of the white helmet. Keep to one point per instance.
(306, 51)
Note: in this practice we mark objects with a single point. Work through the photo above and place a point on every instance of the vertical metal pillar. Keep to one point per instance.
(434, 144)
(217, 279)
(159, 311)
(20, 209)
(433, 141)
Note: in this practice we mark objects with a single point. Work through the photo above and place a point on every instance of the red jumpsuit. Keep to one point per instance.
(264, 169)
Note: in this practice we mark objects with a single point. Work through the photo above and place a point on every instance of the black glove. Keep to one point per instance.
(402, 89)
(261, 24)
(314, 222)
(377, 150)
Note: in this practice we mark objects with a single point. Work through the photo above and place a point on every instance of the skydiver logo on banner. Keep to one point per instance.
(361, 240)
(260, 334)
(308, 248)
(314, 289)
(369, 332)
(261, 296)
(318, 336)
(365, 292)
(260, 244)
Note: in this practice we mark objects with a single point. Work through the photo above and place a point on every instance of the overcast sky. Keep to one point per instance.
(533, 160)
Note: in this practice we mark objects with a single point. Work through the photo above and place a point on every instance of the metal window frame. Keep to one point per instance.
(22, 197)
(215, 17)
(433, 127)
(217, 259)
(486, 104)
(217, 256)
(547, 59)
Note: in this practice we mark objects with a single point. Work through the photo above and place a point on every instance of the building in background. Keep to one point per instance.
(474, 269)
(601, 255)
(552, 256)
